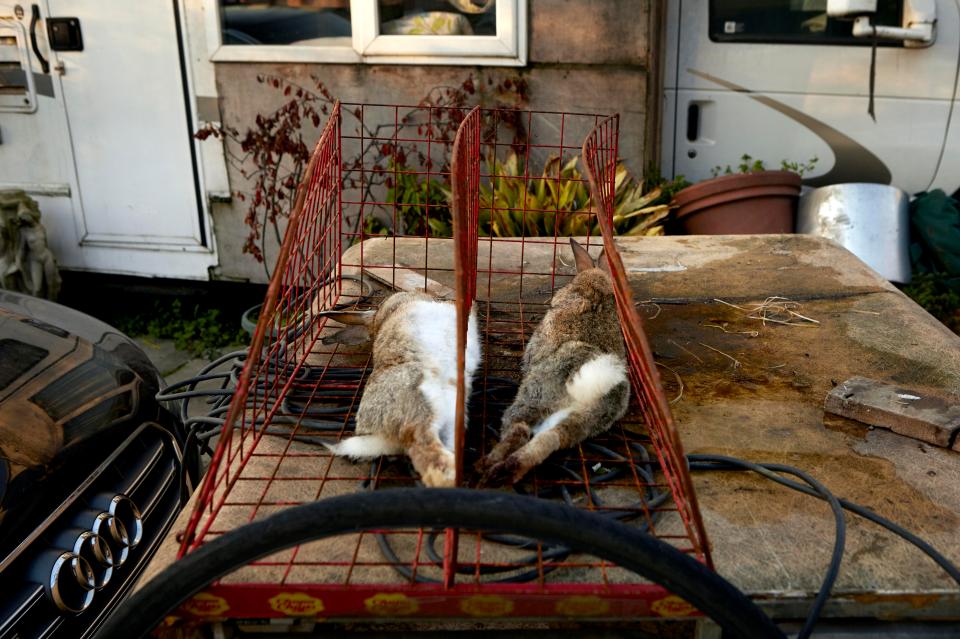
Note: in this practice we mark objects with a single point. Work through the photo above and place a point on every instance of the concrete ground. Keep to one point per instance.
(174, 365)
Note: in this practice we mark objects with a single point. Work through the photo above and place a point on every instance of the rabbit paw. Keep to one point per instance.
(514, 437)
(440, 477)
(484, 464)
(505, 473)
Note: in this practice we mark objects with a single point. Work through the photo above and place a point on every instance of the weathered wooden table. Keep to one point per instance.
(755, 390)
(770, 541)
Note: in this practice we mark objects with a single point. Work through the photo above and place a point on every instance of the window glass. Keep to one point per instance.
(801, 21)
(438, 17)
(302, 22)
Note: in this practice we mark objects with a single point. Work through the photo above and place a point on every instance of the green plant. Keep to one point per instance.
(557, 201)
(654, 179)
(938, 295)
(199, 331)
(800, 168)
(419, 205)
(750, 165)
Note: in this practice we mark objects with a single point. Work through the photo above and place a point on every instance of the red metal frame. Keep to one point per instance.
(296, 391)
(600, 161)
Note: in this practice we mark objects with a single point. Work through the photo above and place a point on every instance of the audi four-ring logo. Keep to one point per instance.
(86, 555)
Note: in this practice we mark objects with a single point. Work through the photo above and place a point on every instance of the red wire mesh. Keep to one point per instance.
(600, 162)
(465, 206)
(386, 187)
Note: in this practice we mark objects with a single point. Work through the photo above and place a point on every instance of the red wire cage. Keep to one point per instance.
(392, 200)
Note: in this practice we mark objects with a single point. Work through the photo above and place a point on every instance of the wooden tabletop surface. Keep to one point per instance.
(756, 390)
(768, 406)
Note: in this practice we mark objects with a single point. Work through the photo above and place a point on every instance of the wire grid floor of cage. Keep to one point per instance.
(302, 390)
(615, 474)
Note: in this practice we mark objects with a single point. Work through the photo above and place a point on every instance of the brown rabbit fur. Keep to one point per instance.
(574, 377)
(409, 400)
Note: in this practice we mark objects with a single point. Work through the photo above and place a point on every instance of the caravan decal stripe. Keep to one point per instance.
(852, 161)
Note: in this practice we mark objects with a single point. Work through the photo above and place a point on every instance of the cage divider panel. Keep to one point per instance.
(600, 161)
(315, 183)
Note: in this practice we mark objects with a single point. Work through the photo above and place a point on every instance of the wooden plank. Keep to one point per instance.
(907, 412)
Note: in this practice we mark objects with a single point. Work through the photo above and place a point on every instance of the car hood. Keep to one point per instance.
(68, 384)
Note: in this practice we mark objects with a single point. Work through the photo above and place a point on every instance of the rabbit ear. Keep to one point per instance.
(351, 318)
(602, 263)
(357, 330)
(352, 335)
(580, 255)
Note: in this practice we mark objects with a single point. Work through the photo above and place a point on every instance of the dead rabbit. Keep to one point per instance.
(409, 402)
(574, 376)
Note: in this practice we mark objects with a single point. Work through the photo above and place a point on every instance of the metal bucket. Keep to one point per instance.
(872, 221)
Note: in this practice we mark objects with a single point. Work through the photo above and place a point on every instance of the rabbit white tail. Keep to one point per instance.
(596, 378)
(365, 447)
(589, 385)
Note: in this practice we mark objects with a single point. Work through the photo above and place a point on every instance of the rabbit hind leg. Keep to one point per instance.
(521, 461)
(563, 429)
(435, 464)
(515, 431)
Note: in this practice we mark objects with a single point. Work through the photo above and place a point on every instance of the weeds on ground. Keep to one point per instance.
(938, 296)
(202, 332)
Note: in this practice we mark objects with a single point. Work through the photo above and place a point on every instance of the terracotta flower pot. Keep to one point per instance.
(761, 202)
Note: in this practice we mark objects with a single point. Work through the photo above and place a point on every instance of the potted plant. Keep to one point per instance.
(750, 200)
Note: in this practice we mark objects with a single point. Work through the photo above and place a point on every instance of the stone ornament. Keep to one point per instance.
(26, 262)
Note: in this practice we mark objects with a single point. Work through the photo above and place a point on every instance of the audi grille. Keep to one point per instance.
(63, 579)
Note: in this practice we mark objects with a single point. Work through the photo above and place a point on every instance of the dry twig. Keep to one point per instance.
(651, 303)
(777, 310)
(736, 362)
(687, 351)
(679, 381)
(724, 329)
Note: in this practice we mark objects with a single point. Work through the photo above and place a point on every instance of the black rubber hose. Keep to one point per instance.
(444, 508)
(833, 569)
(953, 571)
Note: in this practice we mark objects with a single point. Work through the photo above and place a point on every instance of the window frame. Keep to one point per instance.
(831, 41)
(368, 46)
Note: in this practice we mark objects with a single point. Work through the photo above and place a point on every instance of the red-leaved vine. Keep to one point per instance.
(273, 153)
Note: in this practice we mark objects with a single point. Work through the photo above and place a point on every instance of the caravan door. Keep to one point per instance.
(778, 81)
(109, 152)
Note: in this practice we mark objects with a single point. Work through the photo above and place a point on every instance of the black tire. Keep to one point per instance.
(443, 507)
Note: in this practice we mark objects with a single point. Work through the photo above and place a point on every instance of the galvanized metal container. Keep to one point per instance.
(872, 221)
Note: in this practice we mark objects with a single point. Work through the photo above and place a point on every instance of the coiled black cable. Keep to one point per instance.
(698, 463)
(532, 567)
(815, 488)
